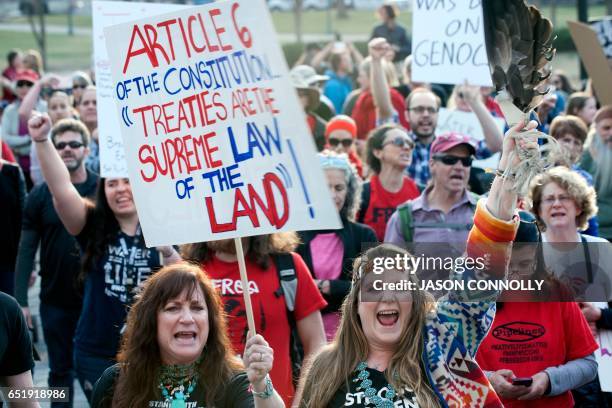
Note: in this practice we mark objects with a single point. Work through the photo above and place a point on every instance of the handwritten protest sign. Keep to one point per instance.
(105, 14)
(216, 140)
(603, 28)
(448, 43)
(467, 123)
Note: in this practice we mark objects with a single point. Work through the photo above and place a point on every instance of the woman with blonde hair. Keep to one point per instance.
(176, 351)
(397, 347)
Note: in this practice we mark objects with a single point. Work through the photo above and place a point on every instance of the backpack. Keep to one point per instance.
(285, 268)
(408, 226)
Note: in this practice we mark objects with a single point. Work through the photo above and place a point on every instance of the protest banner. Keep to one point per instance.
(603, 29)
(593, 58)
(448, 43)
(603, 355)
(105, 14)
(216, 141)
(467, 123)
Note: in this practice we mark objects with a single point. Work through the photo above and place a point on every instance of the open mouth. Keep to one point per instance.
(456, 177)
(387, 317)
(185, 335)
(557, 214)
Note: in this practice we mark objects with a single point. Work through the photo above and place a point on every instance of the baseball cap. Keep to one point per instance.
(447, 141)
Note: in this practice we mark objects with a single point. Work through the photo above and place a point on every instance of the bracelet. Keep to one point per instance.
(40, 141)
(267, 392)
(500, 173)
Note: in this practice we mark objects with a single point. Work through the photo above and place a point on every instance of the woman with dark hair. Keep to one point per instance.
(583, 105)
(329, 254)
(115, 258)
(556, 356)
(399, 347)
(175, 351)
(388, 155)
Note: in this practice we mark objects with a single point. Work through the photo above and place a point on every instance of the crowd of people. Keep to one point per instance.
(167, 326)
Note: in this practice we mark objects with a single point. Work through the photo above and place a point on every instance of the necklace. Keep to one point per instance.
(370, 392)
(177, 382)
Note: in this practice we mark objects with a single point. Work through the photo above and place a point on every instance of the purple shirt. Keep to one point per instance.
(462, 212)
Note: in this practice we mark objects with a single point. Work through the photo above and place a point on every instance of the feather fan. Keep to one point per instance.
(519, 49)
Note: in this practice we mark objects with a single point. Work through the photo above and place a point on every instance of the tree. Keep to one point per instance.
(342, 10)
(608, 7)
(37, 11)
(297, 16)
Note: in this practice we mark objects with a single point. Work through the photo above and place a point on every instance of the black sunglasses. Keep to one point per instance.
(24, 83)
(73, 145)
(400, 141)
(345, 142)
(79, 86)
(451, 160)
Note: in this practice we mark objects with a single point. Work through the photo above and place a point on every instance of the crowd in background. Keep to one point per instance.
(393, 179)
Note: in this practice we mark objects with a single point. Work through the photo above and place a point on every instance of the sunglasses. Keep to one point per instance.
(400, 142)
(79, 86)
(24, 83)
(451, 160)
(345, 142)
(73, 145)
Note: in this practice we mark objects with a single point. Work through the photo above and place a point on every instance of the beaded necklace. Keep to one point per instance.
(370, 392)
(177, 383)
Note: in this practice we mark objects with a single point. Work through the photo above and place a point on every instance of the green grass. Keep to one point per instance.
(64, 53)
(56, 19)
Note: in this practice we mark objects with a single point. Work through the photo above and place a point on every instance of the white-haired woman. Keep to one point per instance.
(329, 254)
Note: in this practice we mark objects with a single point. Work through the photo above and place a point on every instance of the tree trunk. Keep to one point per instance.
(71, 7)
(608, 7)
(342, 10)
(553, 12)
(297, 15)
(38, 10)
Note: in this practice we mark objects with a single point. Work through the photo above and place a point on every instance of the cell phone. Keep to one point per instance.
(526, 381)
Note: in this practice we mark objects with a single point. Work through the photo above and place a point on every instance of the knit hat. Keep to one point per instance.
(528, 229)
(341, 122)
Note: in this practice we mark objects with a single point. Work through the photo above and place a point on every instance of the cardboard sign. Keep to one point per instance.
(603, 28)
(105, 14)
(448, 42)
(593, 58)
(467, 123)
(216, 140)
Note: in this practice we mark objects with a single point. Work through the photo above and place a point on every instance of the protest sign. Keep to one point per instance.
(216, 140)
(603, 355)
(448, 42)
(593, 58)
(467, 123)
(108, 13)
(603, 29)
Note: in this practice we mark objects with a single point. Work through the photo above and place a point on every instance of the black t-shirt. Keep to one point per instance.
(234, 395)
(60, 257)
(12, 197)
(15, 344)
(354, 398)
(109, 290)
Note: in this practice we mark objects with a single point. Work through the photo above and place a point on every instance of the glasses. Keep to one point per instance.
(345, 142)
(79, 86)
(550, 200)
(451, 160)
(23, 83)
(422, 109)
(400, 142)
(73, 145)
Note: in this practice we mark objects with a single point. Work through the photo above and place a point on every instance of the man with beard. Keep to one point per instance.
(60, 301)
(277, 314)
(445, 209)
(597, 160)
(88, 114)
(422, 106)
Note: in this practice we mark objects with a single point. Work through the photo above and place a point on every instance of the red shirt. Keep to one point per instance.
(364, 112)
(383, 203)
(528, 337)
(269, 310)
(7, 153)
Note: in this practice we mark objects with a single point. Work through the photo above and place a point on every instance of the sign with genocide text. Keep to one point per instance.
(448, 42)
(216, 141)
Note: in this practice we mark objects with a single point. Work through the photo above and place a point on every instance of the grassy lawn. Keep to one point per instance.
(67, 53)
(63, 52)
